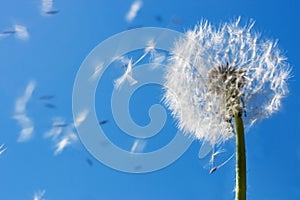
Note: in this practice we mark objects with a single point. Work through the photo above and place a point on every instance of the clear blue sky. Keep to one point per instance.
(51, 57)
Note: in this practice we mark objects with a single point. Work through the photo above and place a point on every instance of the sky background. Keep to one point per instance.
(43, 57)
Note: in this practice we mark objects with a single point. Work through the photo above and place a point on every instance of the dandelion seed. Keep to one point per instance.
(149, 49)
(216, 71)
(57, 128)
(20, 114)
(21, 102)
(212, 170)
(65, 141)
(63, 134)
(129, 65)
(156, 58)
(2, 149)
(135, 7)
(21, 32)
(124, 60)
(138, 146)
(27, 127)
(47, 5)
(97, 72)
(80, 117)
(53, 133)
(47, 8)
(126, 76)
(150, 46)
(214, 154)
(39, 195)
(61, 145)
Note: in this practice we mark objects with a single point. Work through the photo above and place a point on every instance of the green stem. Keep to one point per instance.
(240, 158)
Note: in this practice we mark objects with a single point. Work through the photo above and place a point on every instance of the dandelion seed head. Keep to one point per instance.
(215, 72)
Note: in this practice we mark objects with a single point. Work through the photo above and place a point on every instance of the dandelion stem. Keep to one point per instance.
(240, 158)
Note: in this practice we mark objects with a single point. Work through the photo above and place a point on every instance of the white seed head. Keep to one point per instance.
(215, 72)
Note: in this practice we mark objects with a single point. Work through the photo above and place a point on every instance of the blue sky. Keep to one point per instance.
(47, 60)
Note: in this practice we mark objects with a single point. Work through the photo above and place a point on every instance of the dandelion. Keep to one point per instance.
(223, 79)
